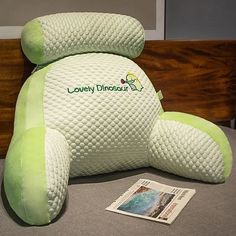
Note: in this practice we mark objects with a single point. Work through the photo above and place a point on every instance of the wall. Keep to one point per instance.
(14, 12)
(200, 19)
(185, 19)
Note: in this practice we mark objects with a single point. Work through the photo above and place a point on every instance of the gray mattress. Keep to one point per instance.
(212, 211)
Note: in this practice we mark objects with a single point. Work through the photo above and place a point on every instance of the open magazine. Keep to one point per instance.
(153, 201)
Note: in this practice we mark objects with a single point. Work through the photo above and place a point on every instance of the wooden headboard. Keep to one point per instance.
(197, 77)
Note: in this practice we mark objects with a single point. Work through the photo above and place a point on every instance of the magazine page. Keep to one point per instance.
(153, 201)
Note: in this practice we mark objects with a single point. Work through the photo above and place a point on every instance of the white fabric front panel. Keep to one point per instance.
(183, 150)
(57, 170)
(80, 32)
(106, 130)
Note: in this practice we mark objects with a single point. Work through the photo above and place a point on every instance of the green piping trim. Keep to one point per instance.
(34, 108)
(29, 106)
(208, 127)
(34, 179)
(19, 122)
(25, 178)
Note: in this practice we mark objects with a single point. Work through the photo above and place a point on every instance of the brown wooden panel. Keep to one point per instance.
(197, 77)
(14, 69)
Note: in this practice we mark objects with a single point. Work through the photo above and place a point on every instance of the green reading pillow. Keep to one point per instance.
(91, 110)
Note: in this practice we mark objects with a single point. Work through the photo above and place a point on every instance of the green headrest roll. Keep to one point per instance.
(51, 37)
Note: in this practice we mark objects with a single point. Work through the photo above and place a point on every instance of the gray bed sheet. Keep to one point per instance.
(212, 211)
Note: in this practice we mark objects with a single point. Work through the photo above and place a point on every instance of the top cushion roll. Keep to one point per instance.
(51, 37)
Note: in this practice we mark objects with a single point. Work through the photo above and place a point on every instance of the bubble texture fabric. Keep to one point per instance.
(183, 150)
(72, 33)
(96, 112)
(106, 129)
(57, 169)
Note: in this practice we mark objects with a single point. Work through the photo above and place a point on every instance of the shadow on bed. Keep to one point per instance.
(124, 174)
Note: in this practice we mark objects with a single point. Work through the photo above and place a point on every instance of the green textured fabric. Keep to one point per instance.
(32, 41)
(29, 106)
(25, 177)
(211, 129)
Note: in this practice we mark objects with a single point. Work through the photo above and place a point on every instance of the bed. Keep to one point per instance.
(197, 77)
